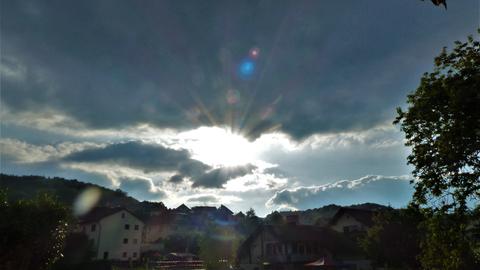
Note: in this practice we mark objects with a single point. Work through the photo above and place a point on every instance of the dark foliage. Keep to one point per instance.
(32, 232)
(442, 126)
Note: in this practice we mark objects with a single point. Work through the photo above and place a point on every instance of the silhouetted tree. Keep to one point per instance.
(78, 249)
(32, 232)
(275, 218)
(442, 127)
(446, 244)
(218, 247)
(394, 239)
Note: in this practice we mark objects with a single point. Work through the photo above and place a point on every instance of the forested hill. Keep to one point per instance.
(26, 187)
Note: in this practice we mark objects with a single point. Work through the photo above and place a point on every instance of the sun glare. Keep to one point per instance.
(218, 146)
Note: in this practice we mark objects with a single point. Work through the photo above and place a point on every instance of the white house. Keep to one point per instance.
(116, 233)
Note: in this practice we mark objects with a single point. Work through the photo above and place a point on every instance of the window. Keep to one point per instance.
(301, 249)
(294, 248)
(127, 226)
(94, 226)
(135, 241)
(134, 254)
(105, 255)
(125, 240)
(124, 255)
(123, 215)
(136, 227)
(269, 249)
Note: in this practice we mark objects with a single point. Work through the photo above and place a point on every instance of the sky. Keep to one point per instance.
(274, 105)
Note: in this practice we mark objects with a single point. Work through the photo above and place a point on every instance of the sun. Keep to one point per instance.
(217, 146)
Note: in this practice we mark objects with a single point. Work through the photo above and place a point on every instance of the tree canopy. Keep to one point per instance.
(442, 127)
(33, 232)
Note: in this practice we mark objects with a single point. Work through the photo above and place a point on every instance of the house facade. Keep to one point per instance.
(350, 220)
(116, 233)
(284, 247)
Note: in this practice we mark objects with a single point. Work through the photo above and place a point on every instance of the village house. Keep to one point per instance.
(285, 247)
(351, 220)
(116, 233)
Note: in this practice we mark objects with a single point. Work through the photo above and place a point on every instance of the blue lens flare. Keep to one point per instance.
(246, 68)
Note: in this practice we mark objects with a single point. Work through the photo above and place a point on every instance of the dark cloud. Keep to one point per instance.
(387, 190)
(147, 157)
(204, 199)
(322, 66)
(177, 178)
(141, 189)
(156, 158)
(217, 177)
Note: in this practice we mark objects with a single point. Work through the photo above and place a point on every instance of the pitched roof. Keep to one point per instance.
(225, 209)
(361, 215)
(291, 233)
(240, 214)
(203, 209)
(288, 233)
(99, 213)
(182, 208)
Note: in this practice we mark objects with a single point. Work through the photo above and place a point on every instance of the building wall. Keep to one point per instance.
(347, 221)
(283, 255)
(111, 235)
(155, 231)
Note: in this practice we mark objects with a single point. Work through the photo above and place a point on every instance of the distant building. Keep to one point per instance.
(293, 219)
(284, 247)
(204, 211)
(158, 227)
(116, 233)
(225, 214)
(352, 220)
(182, 209)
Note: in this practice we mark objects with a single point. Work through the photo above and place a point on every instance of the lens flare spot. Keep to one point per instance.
(233, 97)
(247, 68)
(86, 201)
(254, 53)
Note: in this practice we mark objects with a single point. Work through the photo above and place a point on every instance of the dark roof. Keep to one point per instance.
(240, 214)
(288, 233)
(203, 209)
(291, 233)
(182, 208)
(361, 215)
(223, 208)
(99, 213)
